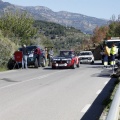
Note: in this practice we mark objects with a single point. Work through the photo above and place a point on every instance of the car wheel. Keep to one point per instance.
(10, 64)
(92, 62)
(36, 63)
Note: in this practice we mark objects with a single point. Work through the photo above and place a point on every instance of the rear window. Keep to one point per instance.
(29, 48)
(66, 53)
(109, 43)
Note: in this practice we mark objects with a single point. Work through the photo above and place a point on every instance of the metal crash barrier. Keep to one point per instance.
(114, 112)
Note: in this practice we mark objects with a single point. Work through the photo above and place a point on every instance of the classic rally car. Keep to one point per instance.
(65, 59)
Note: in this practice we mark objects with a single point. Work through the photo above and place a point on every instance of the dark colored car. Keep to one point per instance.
(32, 59)
(65, 59)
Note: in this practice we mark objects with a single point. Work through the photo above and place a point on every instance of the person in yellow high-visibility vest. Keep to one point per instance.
(113, 54)
(106, 55)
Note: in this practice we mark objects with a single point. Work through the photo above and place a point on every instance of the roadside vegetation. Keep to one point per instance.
(106, 32)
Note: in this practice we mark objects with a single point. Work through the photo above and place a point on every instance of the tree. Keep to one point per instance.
(18, 25)
(112, 29)
(99, 34)
(117, 30)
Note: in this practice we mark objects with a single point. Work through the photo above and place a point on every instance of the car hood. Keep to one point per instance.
(62, 57)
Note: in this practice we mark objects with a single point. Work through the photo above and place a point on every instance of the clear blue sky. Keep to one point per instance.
(94, 8)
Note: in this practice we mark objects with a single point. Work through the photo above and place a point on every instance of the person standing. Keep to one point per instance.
(51, 53)
(37, 52)
(113, 54)
(106, 55)
(45, 53)
(24, 57)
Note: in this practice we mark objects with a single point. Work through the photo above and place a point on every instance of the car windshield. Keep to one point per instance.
(85, 53)
(66, 53)
(30, 49)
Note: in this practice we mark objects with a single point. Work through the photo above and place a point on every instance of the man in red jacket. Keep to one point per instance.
(37, 52)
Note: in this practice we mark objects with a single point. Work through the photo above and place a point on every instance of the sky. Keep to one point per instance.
(103, 9)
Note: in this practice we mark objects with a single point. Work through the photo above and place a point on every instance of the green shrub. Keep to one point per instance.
(7, 48)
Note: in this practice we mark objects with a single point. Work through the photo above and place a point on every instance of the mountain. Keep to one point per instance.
(81, 22)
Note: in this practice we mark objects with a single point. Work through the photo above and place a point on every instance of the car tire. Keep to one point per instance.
(92, 62)
(10, 64)
(36, 63)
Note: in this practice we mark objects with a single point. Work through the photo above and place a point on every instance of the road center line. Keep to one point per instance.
(39, 77)
(86, 108)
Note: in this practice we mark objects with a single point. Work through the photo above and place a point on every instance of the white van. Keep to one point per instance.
(109, 43)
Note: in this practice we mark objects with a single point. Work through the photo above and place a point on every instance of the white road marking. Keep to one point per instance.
(106, 82)
(98, 92)
(39, 77)
(86, 108)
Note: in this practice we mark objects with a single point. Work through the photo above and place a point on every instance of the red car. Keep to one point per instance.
(66, 59)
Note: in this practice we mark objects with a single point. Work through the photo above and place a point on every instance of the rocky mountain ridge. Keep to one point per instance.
(82, 22)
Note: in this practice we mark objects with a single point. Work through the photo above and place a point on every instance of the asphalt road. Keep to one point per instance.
(60, 94)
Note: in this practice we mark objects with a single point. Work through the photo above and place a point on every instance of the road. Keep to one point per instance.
(59, 94)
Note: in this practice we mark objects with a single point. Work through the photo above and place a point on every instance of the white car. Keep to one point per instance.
(86, 57)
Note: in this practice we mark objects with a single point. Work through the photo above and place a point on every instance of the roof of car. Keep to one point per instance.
(66, 50)
(85, 51)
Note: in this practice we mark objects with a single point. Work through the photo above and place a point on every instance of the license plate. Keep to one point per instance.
(62, 65)
(84, 60)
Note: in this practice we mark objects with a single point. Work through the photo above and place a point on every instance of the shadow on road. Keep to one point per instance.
(104, 73)
(49, 68)
(8, 80)
(96, 109)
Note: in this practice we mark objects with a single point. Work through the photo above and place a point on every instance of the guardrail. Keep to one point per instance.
(114, 111)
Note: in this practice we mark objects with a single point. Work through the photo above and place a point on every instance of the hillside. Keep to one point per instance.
(61, 37)
(81, 22)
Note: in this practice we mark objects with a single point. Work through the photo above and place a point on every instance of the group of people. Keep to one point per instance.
(48, 55)
(109, 53)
